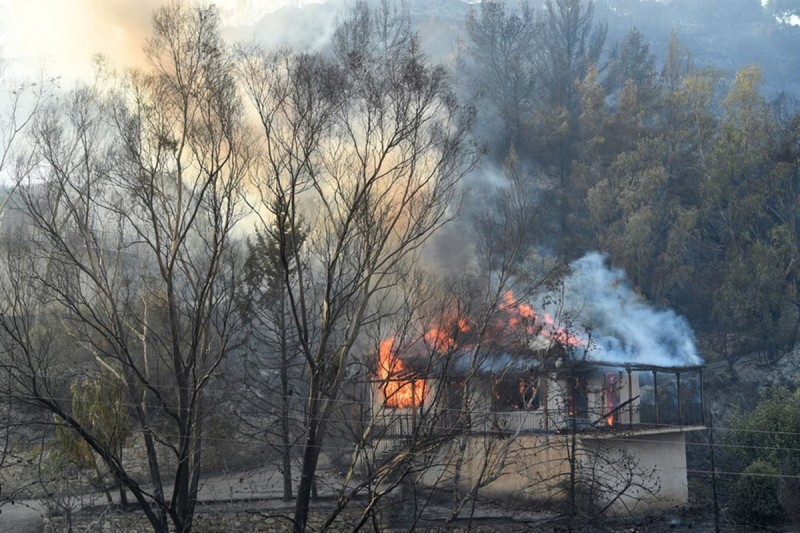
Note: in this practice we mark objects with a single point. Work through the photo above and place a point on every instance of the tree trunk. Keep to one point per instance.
(462, 442)
(573, 479)
(310, 458)
(157, 513)
(286, 448)
(123, 495)
(100, 481)
(180, 508)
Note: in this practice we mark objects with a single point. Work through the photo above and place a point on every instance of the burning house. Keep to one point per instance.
(539, 409)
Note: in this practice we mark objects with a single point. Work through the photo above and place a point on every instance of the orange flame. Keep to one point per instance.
(397, 390)
(522, 314)
(402, 390)
(441, 339)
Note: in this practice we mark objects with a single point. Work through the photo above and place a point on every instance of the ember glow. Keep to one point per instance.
(399, 389)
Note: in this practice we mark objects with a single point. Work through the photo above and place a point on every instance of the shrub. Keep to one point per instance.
(755, 495)
(789, 497)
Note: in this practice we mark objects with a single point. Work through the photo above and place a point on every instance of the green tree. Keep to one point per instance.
(629, 206)
(754, 440)
(646, 202)
(631, 61)
(591, 158)
(747, 297)
(500, 52)
(786, 208)
(756, 436)
(629, 202)
(569, 43)
(755, 495)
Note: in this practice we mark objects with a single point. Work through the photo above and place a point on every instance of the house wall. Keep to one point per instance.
(527, 466)
(649, 470)
(659, 462)
(557, 399)
(647, 464)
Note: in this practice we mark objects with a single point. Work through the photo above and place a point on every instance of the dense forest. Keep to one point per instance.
(215, 263)
(685, 176)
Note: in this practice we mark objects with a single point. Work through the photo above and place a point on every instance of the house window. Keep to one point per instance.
(404, 393)
(514, 391)
(578, 398)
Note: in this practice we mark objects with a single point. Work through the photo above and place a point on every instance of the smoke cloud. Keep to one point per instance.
(621, 326)
(62, 37)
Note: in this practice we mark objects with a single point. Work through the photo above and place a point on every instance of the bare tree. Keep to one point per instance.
(441, 344)
(20, 102)
(396, 421)
(505, 277)
(128, 251)
(368, 147)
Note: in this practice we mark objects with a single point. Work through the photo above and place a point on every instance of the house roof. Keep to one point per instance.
(640, 367)
(552, 359)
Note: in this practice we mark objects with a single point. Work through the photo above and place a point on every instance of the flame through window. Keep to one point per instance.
(515, 391)
(400, 388)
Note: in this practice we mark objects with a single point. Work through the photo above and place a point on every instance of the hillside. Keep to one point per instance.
(721, 34)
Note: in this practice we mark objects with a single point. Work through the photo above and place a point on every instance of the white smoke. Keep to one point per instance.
(600, 305)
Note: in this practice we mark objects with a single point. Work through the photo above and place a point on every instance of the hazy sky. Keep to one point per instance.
(62, 36)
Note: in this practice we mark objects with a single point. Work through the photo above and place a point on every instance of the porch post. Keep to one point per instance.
(680, 404)
(655, 393)
(702, 401)
(630, 397)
